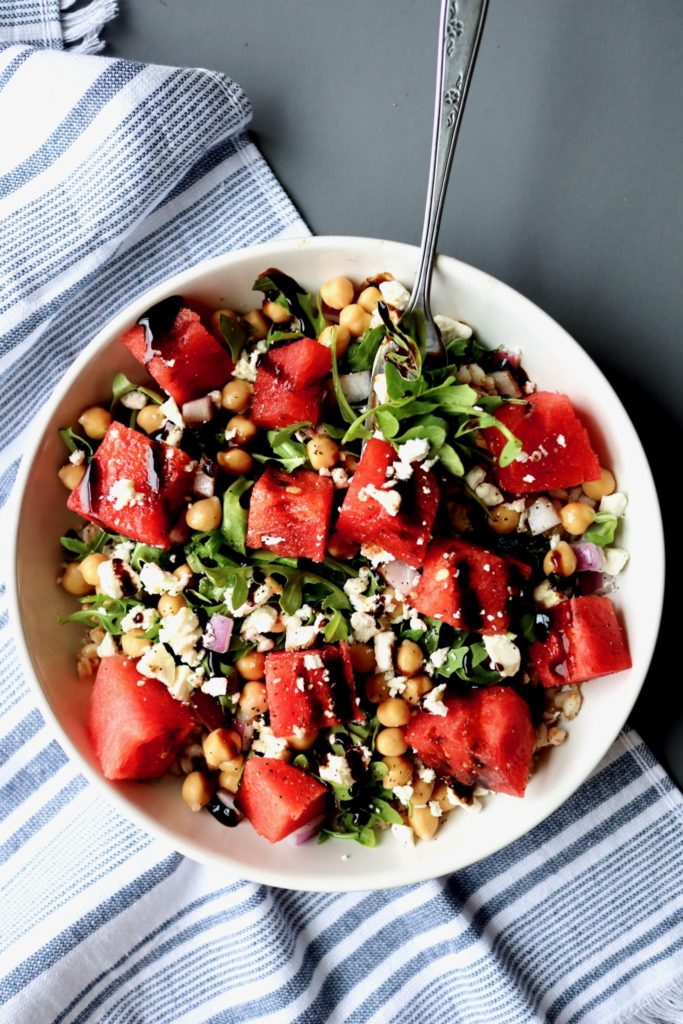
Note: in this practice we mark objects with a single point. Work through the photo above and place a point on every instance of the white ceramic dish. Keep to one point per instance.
(500, 316)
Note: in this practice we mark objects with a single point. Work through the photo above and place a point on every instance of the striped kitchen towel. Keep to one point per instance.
(114, 175)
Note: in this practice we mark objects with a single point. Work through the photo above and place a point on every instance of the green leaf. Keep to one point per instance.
(292, 596)
(360, 355)
(457, 398)
(74, 442)
(278, 437)
(236, 333)
(79, 547)
(234, 525)
(602, 529)
(144, 553)
(121, 386)
(396, 384)
(344, 408)
(100, 610)
(336, 629)
(386, 422)
(451, 460)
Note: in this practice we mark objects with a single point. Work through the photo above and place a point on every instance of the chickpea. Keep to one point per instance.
(251, 666)
(322, 451)
(183, 573)
(89, 566)
(236, 395)
(349, 462)
(245, 430)
(304, 742)
(73, 582)
(394, 711)
(440, 796)
(423, 823)
(355, 319)
(391, 742)
(71, 475)
(560, 560)
(362, 657)
(235, 461)
(503, 520)
(221, 746)
(275, 312)
(204, 515)
(416, 688)
(369, 298)
(376, 688)
(422, 792)
(337, 292)
(216, 321)
(409, 658)
(341, 336)
(95, 421)
(151, 418)
(197, 790)
(258, 324)
(340, 547)
(400, 772)
(134, 643)
(169, 604)
(604, 485)
(231, 774)
(576, 517)
(253, 700)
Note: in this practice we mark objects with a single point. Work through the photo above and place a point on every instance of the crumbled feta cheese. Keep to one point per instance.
(134, 400)
(489, 494)
(476, 476)
(122, 550)
(433, 701)
(614, 504)
(404, 834)
(403, 793)
(271, 541)
(451, 329)
(615, 560)
(438, 658)
(384, 646)
(107, 648)
(355, 588)
(340, 478)
(413, 450)
(561, 440)
(364, 626)
(336, 770)
(172, 413)
(156, 580)
(528, 479)
(261, 620)
(375, 555)
(417, 623)
(426, 774)
(109, 574)
(542, 516)
(435, 809)
(182, 632)
(389, 500)
(246, 366)
(217, 686)
(184, 682)
(158, 663)
(123, 494)
(266, 743)
(77, 458)
(504, 654)
(139, 617)
(313, 661)
(546, 596)
(394, 294)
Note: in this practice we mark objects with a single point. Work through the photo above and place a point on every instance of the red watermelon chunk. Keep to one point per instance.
(289, 384)
(134, 486)
(136, 730)
(278, 799)
(365, 519)
(556, 448)
(179, 353)
(310, 690)
(468, 586)
(584, 641)
(486, 737)
(289, 513)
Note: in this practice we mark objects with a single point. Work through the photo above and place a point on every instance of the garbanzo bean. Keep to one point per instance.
(258, 323)
(576, 517)
(183, 573)
(71, 475)
(323, 452)
(151, 418)
(197, 790)
(341, 336)
(560, 560)
(204, 515)
(597, 489)
(231, 773)
(362, 657)
(245, 430)
(95, 421)
(169, 604)
(440, 795)
(89, 567)
(275, 312)
(303, 742)
(236, 395)
(253, 700)
(422, 791)
(409, 658)
(251, 666)
(216, 321)
(423, 823)
(235, 461)
(391, 742)
(503, 520)
(337, 292)
(73, 582)
(221, 746)
(134, 644)
(355, 319)
(400, 771)
(393, 712)
(369, 298)
(376, 688)
(416, 687)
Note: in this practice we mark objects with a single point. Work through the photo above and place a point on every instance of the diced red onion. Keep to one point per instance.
(506, 384)
(589, 557)
(207, 709)
(504, 357)
(399, 575)
(204, 482)
(591, 582)
(198, 411)
(356, 386)
(245, 729)
(306, 832)
(218, 633)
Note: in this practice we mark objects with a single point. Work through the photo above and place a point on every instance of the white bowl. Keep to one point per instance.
(500, 316)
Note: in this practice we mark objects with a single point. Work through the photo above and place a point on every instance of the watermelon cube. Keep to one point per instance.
(486, 737)
(178, 352)
(134, 486)
(310, 690)
(289, 384)
(368, 516)
(556, 448)
(135, 725)
(468, 586)
(289, 513)
(278, 799)
(584, 641)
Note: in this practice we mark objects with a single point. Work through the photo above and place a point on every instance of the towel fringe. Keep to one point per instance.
(661, 1006)
(81, 29)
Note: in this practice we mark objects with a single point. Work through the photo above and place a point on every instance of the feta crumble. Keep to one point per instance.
(182, 632)
(156, 580)
(394, 294)
(404, 834)
(336, 770)
(614, 504)
(403, 793)
(504, 654)
(389, 500)
(107, 648)
(384, 647)
(139, 617)
(433, 701)
(123, 494)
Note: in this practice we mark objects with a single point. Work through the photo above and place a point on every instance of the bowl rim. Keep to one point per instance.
(325, 880)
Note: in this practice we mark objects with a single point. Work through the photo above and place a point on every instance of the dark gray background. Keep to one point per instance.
(566, 182)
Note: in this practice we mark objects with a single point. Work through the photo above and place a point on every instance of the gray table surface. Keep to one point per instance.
(566, 183)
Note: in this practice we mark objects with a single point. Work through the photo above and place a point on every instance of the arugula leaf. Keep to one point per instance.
(79, 547)
(361, 355)
(121, 386)
(284, 290)
(336, 629)
(451, 460)
(387, 422)
(144, 553)
(344, 408)
(602, 529)
(75, 443)
(236, 333)
(100, 610)
(234, 524)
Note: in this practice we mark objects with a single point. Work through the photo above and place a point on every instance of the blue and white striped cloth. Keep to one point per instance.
(113, 173)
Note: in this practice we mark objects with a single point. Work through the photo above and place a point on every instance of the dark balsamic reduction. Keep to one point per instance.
(470, 604)
(291, 290)
(225, 815)
(541, 626)
(119, 569)
(342, 704)
(207, 709)
(158, 321)
(87, 486)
